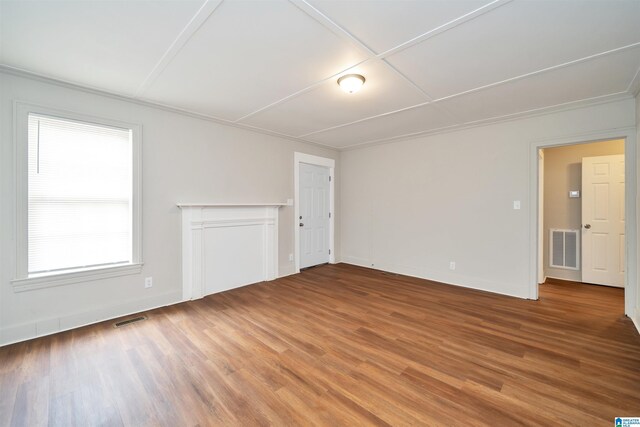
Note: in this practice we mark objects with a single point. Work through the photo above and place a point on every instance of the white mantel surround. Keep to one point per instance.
(225, 246)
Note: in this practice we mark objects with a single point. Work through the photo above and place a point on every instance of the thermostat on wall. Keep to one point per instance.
(574, 193)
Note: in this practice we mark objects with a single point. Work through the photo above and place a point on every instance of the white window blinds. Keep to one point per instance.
(79, 195)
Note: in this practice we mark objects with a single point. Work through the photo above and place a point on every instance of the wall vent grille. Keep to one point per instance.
(564, 249)
(129, 321)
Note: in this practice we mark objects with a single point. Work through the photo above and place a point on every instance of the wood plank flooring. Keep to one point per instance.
(338, 345)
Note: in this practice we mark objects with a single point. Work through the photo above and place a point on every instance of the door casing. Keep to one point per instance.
(319, 161)
(631, 244)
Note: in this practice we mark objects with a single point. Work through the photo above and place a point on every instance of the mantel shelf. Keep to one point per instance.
(223, 205)
(227, 245)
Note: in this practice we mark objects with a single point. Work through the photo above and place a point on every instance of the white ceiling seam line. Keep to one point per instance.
(192, 27)
(332, 26)
(505, 62)
(408, 80)
(480, 88)
(635, 78)
(581, 103)
(445, 27)
(498, 119)
(335, 29)
(339, 31)
(244, 126)
(153, 104)
(344, 34)
(388, 113)
(444, 110)
(305, 90)
(541, 71)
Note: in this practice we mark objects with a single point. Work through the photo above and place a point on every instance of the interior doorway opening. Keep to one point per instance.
(581, 213)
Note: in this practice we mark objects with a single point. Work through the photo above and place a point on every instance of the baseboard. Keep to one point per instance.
(44, 327)
(286, 270)
(635, 318)
(361, 262)
(288, 273)
(461, 281)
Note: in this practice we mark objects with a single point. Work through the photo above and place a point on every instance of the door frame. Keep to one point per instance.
(541, 277)
(630, 173)
(318, 161)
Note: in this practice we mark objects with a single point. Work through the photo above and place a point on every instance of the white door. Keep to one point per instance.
(603, 220)
(314, 215)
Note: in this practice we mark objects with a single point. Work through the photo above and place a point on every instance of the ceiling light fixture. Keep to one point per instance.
(351, 83)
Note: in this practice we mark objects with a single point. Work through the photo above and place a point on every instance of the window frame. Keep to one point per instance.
(22, 281)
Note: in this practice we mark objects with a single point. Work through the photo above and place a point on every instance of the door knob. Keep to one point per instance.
(587, 226)
(301, 225)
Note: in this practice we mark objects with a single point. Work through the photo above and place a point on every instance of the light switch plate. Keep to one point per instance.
(516, 204)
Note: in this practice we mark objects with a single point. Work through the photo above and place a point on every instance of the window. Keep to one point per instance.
(80, 209)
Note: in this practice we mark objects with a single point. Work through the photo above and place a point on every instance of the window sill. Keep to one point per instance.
(42, 282)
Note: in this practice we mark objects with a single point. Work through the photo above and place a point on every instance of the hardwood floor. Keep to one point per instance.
(338, 345)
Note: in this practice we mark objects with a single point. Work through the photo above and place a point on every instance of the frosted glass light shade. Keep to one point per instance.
(351, 83)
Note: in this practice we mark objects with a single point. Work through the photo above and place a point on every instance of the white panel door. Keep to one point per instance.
(314, 215)
(603, 220)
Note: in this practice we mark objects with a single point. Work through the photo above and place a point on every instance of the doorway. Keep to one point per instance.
(630, 224)
(582, 203)
(314, 210)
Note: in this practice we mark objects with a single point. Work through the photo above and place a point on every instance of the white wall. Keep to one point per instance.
(185, 159)
(413, 206)
(410, 206)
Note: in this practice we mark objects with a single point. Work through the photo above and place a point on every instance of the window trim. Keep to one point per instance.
(22, 282)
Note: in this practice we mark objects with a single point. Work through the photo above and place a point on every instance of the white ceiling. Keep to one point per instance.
(272, 65)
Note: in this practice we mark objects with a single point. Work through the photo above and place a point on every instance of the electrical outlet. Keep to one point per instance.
(452, 265)
(148, 282)
(290, 257)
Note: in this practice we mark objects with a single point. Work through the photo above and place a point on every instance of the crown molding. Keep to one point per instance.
(435, 102)
(18, 72)
(634, 84)
(574, 105)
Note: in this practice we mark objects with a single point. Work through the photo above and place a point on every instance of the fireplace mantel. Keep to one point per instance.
(227, 245)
